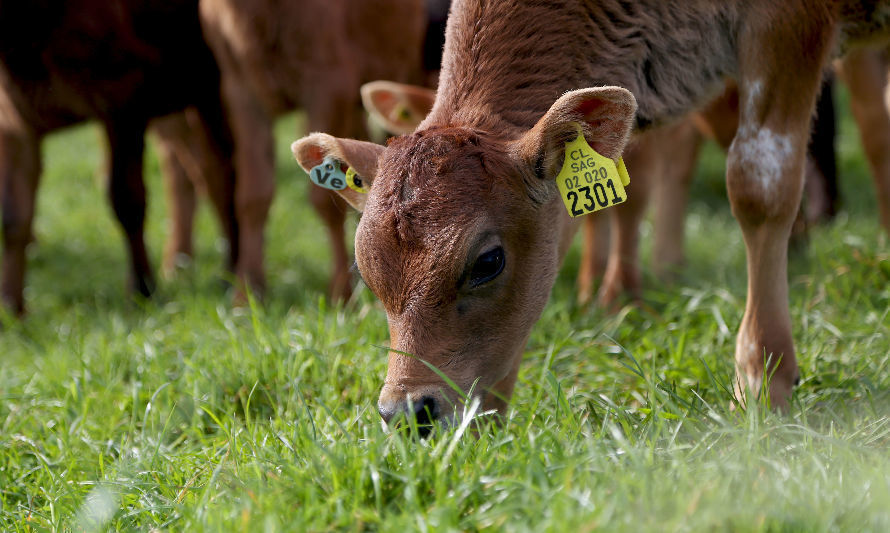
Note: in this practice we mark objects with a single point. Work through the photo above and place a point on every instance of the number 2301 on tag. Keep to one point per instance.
(589, 181)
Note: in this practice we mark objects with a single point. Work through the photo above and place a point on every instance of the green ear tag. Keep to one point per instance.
(589, 181)
(328, 175)
(401, 112)
(355, 182)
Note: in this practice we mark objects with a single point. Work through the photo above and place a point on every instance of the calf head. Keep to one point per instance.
(460, 239)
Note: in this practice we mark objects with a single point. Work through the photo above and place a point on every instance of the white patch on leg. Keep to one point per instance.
(763, 154)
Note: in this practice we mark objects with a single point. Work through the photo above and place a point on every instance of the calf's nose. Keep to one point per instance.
(425, 411)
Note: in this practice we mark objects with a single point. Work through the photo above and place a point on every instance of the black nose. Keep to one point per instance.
(425, 412)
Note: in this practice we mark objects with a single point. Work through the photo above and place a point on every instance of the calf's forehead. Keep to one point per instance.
(435, 194)
(437, 182)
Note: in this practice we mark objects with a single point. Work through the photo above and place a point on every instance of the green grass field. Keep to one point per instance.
(183, 414)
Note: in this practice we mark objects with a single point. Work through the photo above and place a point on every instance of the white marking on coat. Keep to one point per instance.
(762, 152)
(763, 155)
(755, 89)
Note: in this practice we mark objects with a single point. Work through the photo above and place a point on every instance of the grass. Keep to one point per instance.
(183, 414)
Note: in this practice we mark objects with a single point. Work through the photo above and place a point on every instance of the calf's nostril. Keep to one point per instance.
(426, 411)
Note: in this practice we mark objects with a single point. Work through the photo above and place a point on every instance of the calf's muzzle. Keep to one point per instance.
(425, 412)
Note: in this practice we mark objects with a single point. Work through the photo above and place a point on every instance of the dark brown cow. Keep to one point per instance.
(120, 62)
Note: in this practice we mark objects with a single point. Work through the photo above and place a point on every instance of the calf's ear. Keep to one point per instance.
(358, 157)
(605, 115)
(397, 107)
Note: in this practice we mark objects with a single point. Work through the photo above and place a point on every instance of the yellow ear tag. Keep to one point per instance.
(622, 172)
(355, 182)
(589, 181)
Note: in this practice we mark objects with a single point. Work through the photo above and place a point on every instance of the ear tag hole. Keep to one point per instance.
(355, 182)
(329, 174)
(403, 113)
(589, 181)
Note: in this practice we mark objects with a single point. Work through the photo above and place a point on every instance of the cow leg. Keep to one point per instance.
(126, 140)
(216, 146)
(623, 269)
(820, 182)
(182, 200)
(335, 113)
(255, 185)
(865, 72)
(678, 151)
(175, 150)
(594, 255)
(194, 153)
(764, 180)
(19, 174)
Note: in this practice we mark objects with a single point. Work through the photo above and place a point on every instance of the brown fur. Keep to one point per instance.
(670, 153)
(312, 54)
(505, 64)
(865, 73)
(190, 165)
(122, 63)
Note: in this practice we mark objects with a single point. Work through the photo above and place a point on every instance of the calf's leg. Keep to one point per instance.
(678, 153)
(865, 72)
(19, 174)
(765, 181)
(623, 269)
(178, 165)
(663, 158)
(215, 145)
(594, 254)
(126, 140)
(195, 150)
(255, 185)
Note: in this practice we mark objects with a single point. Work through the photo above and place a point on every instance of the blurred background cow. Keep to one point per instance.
(225, 70)
(121, 62)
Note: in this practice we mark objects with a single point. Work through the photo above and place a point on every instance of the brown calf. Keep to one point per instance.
(313, 54)
(120, 62)
(464, 230)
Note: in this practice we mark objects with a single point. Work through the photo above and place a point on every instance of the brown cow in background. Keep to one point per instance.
(122, 63)
(314, 55)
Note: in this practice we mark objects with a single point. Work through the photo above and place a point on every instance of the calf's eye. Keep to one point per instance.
(487, 267)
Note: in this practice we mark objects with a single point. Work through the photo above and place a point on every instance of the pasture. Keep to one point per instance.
(183, 414)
